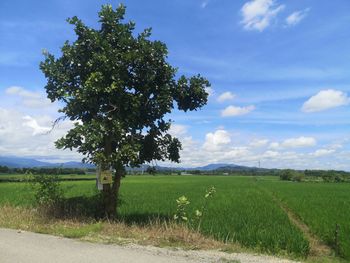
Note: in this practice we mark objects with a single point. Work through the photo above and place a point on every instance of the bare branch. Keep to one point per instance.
(114, 108)
(55, 123)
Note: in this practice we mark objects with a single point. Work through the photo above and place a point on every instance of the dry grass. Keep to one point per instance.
(159, 233)
(156, 233)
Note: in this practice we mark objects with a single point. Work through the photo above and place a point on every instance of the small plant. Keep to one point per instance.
(182, 204)
(48, 192)
(199, 213)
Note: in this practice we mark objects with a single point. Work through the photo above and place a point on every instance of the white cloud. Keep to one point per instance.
(335, 146)
(226, 96)
(258, 143)
(29, 99)
(33, 124)
(295, 17)
(236, 111)
(27, 135)
(220, 147)
(326, 99)
(214, 141)
(258, 14)
(274, 145)
(299, 142)
(15, 90)
(323, 152)
(235, 152)
(177, 130)
(270, 154)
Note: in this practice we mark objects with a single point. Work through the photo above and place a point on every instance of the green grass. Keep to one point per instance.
(17, 194)
(239, 212)
(321, 206)
(74, 232)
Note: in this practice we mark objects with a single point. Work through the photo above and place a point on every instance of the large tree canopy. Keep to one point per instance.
(118, 86)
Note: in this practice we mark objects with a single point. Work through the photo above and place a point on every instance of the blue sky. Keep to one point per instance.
(279, 71)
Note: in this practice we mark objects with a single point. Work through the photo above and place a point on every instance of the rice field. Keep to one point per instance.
(321, 206)
(243, 209)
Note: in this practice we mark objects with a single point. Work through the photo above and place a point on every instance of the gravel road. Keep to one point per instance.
(25, 247)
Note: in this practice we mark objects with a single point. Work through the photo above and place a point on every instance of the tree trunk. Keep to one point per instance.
(110, 194)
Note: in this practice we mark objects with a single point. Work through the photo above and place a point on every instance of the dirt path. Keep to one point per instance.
(317, 247)
(26, 247)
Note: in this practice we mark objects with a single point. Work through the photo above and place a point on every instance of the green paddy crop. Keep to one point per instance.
(239, 212)
(321, 206)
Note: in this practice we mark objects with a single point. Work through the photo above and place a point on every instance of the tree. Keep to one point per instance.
(117, 87)
(151, 170)
(287, 174)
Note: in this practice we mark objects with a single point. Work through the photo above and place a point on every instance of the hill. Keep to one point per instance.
(20, 162)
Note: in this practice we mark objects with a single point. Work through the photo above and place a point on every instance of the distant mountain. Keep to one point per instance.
(213, 166)
(19, 162)
(75, 165)
(210, 167)
(238, 168)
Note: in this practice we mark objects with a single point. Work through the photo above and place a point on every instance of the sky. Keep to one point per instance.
(279, 73)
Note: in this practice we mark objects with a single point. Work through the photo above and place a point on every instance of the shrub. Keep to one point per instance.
(48, 192)
(291, 175)
(287, 175)
(298, 177)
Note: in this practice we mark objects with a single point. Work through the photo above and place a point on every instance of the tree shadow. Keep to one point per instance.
(82, 207)
(87, 208)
